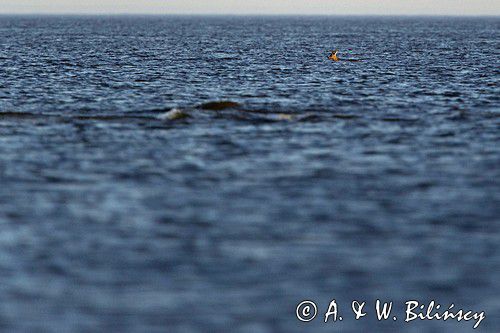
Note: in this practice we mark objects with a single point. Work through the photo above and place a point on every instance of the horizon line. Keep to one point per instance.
(241, 14)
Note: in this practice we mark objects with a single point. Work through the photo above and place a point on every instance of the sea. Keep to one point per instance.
(210, 173)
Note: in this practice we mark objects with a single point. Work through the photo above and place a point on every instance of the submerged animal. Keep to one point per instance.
(333, 57)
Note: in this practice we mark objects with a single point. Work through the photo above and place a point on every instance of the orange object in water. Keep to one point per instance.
(333, 55)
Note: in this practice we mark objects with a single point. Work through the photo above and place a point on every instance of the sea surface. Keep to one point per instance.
(376, 179)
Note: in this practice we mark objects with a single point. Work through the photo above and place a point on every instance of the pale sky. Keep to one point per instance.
(340, 7)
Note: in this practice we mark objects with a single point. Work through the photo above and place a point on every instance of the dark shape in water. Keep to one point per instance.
(220, 105)
(16, 115)
(398, 119)
(344, 116)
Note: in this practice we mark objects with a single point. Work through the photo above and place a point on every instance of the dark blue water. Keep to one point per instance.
(349, 180)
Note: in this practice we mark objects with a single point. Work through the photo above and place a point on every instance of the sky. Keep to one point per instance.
(330, 7)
